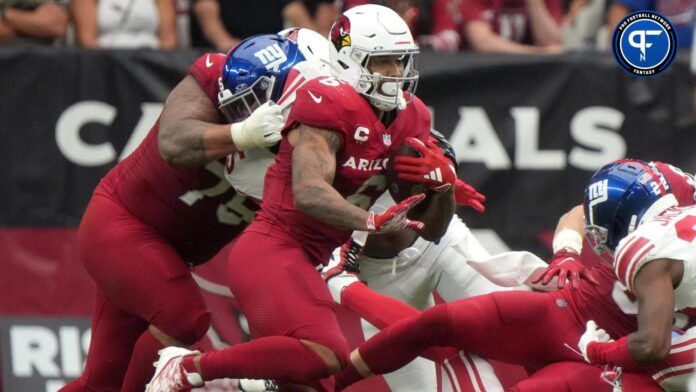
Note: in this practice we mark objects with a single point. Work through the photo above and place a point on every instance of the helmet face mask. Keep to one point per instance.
(385, 90)
(597, 237)
(368, 43)
(240, 106)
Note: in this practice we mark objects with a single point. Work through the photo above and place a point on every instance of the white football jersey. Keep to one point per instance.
(670, 235)
(246, 170)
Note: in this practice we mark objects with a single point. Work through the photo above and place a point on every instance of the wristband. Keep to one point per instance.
(241, 140)
(567, 239)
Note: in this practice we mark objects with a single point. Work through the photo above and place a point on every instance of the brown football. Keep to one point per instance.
(402, 189)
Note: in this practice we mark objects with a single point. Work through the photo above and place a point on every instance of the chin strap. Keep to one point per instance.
(401, 104)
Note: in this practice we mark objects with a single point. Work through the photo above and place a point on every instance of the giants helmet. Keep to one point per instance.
(256, 70)
(369, 31)
(619, 197)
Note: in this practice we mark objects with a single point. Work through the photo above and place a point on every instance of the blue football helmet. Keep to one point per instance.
(255, 72)
(617, 199)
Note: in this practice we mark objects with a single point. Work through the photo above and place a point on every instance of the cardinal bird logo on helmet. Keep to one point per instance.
(340, 33)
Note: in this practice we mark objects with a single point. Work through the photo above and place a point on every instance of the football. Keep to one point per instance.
(402, 189)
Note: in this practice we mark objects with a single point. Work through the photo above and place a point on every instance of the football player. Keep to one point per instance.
(328, 171)
(168, 207)
(536, 330)
(409, 268)
(632, 221)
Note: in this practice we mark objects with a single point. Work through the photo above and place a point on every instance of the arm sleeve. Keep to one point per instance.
(207, 70)
(614, 353)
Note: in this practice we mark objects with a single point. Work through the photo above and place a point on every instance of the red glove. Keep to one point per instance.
(395, 218)
(431, 168)
(467, 195)
(566, 265)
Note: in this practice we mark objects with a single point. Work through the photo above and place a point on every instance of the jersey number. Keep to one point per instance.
(330, 81)
(686, 228)
(231, 213)
(374, 185)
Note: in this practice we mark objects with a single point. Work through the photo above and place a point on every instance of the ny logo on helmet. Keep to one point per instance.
(597, 192)
(271, 57)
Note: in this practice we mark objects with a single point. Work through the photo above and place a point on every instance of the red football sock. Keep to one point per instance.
(383, 311)
(399, 344)
(272, 357)
(378, 309)
(140, 369)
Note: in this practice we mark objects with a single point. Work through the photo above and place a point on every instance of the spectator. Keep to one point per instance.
(434, 23)
(125, 23)
(221, 24)
(35, 21)
(513, 26)
(317, 15)
(584, 25)
(679, 12)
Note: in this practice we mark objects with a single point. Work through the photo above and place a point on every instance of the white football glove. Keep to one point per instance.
(592, 334)
(261, 129)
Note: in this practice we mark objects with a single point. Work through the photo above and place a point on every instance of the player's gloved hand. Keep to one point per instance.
(343, 268)
(593, 334)
(261, 129)
(467, 195)
(395, 218)
(566, 265)
(251, 385)
(432, 168)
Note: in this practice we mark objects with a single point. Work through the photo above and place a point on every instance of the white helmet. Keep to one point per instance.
(368, 31)
(313, 46)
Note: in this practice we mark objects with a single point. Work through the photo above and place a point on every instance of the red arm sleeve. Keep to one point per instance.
(614, 353)
(207, 70)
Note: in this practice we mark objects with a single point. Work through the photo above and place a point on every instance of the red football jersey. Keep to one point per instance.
(508, 18)
(607, 303)
(327, 103)
(195, 209)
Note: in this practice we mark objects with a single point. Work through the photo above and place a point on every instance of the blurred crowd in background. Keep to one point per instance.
(508, 26)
